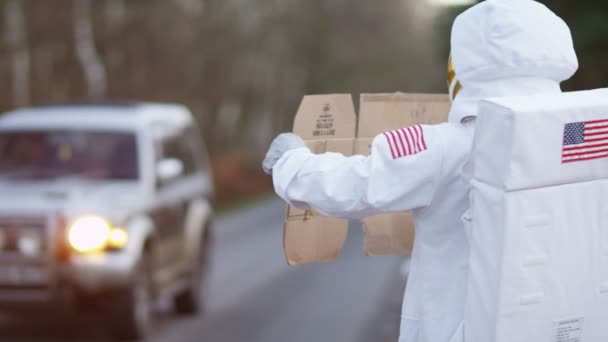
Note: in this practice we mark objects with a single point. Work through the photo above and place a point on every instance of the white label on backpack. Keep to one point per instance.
(570, 330)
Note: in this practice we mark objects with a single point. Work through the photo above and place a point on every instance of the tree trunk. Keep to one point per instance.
(17, 39)
(84, 37)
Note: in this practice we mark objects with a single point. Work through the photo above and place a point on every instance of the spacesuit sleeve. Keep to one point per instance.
(402, 172)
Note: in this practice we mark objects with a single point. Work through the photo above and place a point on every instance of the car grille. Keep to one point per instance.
(25, 236)
(23, 250)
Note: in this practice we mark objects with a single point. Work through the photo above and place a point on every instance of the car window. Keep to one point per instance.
(180, 147)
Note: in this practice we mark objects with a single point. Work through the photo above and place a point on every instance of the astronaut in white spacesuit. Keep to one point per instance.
(499, 48)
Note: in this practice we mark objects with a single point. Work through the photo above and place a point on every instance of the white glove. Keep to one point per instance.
(281, 144)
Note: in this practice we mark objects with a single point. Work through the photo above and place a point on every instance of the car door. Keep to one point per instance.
(173, 200)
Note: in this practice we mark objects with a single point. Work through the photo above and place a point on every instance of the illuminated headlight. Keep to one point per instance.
(89, 234)
(118, 238)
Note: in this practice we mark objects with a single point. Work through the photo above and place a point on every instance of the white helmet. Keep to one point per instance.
(507, 47)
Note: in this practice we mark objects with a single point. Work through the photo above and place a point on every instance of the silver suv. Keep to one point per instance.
(104, 206)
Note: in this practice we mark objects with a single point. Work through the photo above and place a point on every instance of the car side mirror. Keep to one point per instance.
(168, 169)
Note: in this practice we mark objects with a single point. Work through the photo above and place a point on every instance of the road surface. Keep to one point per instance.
(253, 296)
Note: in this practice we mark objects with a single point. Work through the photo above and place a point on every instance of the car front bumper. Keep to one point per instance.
(57, 284)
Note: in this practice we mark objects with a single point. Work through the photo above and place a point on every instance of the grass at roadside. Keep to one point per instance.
(243, 204)
(238, 182)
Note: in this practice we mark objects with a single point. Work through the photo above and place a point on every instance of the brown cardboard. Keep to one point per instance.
(322, 117)
(381, 112)
(394, 233)
(389, 234)
(327, 123)
(313, 238)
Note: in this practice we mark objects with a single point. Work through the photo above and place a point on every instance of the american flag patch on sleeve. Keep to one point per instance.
(406, 141)
(585, 140)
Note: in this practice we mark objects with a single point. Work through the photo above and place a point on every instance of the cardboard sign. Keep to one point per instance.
(327, 123)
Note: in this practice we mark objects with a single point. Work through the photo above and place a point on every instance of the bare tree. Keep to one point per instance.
(84, 37)
(17, 39)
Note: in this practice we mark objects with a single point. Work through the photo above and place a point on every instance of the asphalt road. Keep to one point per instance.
(253, 296)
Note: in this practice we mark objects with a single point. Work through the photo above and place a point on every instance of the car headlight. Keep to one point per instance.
(89, 234)
(118, 238)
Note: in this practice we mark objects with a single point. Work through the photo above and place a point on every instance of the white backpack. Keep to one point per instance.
(538, 224)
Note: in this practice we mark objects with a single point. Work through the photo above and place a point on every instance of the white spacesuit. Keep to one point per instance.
(499, 48)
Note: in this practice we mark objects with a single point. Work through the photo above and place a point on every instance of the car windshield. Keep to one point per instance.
(42, 155)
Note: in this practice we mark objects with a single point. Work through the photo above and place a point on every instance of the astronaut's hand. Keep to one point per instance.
(281, 144)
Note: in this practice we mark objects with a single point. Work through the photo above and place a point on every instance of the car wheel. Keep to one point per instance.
(189, 301)
(129, 309)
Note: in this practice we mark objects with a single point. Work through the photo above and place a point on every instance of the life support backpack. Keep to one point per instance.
(538, 223)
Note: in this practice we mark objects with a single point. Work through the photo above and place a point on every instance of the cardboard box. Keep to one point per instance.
(328, 123)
